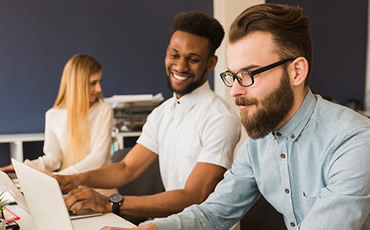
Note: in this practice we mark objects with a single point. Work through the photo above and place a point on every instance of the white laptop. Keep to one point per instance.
(44, 198)
(13, 191)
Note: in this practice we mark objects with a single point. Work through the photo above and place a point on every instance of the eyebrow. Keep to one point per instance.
(93, 81)
(190, 54)
(247, 68)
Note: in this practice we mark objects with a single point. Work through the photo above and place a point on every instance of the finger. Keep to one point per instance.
(71, 198)
(78, 195)
(78, 207)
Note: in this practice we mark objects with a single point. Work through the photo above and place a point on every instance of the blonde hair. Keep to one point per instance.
(74, 97)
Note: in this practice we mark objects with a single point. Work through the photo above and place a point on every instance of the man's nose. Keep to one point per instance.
(182, 65)
(237, 89)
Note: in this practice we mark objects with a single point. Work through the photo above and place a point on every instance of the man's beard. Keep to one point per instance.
(275, 107)
(190, 87)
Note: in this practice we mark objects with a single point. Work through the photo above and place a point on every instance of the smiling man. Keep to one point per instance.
(193, 134)
(307, 156)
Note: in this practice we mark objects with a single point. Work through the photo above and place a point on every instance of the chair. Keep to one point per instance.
(148, 183)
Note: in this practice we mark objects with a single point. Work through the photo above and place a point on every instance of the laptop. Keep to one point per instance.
(44, 199)
(13, 190)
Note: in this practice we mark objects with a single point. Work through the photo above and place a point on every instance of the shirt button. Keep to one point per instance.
(282, 156)
(178, 102)
(292, 136)
(292, 224)
(278, 134)
(286, 190)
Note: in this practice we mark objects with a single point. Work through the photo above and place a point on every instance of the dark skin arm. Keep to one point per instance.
(201, 182)
(113, 175)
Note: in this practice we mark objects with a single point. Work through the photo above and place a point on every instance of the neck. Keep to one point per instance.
(298, 101)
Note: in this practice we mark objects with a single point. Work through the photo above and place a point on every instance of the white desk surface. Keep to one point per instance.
(91, 223)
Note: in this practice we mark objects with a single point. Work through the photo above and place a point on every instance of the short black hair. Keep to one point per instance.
(200, 24)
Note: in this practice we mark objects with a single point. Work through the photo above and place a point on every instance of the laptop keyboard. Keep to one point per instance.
(13, 177)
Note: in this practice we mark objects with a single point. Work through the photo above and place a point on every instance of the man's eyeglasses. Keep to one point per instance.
(245, 78)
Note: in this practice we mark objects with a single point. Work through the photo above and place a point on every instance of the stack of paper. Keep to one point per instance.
(122, 100)
(131, 111)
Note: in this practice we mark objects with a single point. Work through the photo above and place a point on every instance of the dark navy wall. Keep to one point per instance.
(339, 32)
(37, 37)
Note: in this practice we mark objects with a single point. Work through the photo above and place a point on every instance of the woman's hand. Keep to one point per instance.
(8, 168)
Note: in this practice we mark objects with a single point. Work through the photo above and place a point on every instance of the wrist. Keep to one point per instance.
(108, 205)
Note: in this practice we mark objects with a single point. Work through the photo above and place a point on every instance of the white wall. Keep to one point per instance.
(226, 11)
(367, 90)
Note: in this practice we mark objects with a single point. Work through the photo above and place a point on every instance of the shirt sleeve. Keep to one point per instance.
(100, 148)
(219, 138)
(53, 157)
(148, 137)
(232, 198)
(345, 202)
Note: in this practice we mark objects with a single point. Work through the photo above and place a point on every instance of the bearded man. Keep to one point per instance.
(308, 157)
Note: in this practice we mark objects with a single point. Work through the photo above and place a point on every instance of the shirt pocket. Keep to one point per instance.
(308, 200)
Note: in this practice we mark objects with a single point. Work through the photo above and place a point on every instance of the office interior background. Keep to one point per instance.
(129, 38)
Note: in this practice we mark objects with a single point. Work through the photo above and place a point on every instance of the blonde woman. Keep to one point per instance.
(78, 127)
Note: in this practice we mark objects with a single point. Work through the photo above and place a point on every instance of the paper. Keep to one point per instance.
(120, 99)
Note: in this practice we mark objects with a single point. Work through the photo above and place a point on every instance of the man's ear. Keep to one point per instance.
(212, 61)
(299, 70)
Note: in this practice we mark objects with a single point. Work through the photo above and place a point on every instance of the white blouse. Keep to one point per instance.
(100, 121)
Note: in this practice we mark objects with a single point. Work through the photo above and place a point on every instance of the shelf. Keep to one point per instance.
(16, 141)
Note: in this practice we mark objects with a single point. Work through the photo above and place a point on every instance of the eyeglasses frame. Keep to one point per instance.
(253, 72)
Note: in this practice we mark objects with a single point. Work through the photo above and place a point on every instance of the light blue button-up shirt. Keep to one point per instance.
(315, 170)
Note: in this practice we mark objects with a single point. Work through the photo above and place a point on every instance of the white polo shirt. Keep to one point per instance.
(199, 127)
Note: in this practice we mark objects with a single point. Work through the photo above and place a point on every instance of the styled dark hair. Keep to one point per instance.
(287, 24)
(200, 24)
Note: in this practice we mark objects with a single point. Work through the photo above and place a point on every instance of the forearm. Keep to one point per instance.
(191, 218)
(159, 205)
(110, 176)
(118, 174)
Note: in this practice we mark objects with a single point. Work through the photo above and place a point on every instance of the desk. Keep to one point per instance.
(92, 223)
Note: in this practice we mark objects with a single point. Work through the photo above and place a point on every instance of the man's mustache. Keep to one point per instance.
(241, 101)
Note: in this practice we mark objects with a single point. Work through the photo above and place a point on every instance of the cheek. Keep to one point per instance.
(92, 90)
(261, 89)
(167, 62)
(198, 69)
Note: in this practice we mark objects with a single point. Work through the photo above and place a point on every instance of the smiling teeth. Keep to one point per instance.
(179, 77)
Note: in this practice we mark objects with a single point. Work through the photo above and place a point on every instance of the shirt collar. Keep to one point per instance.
(190, 99)
(294, 127)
